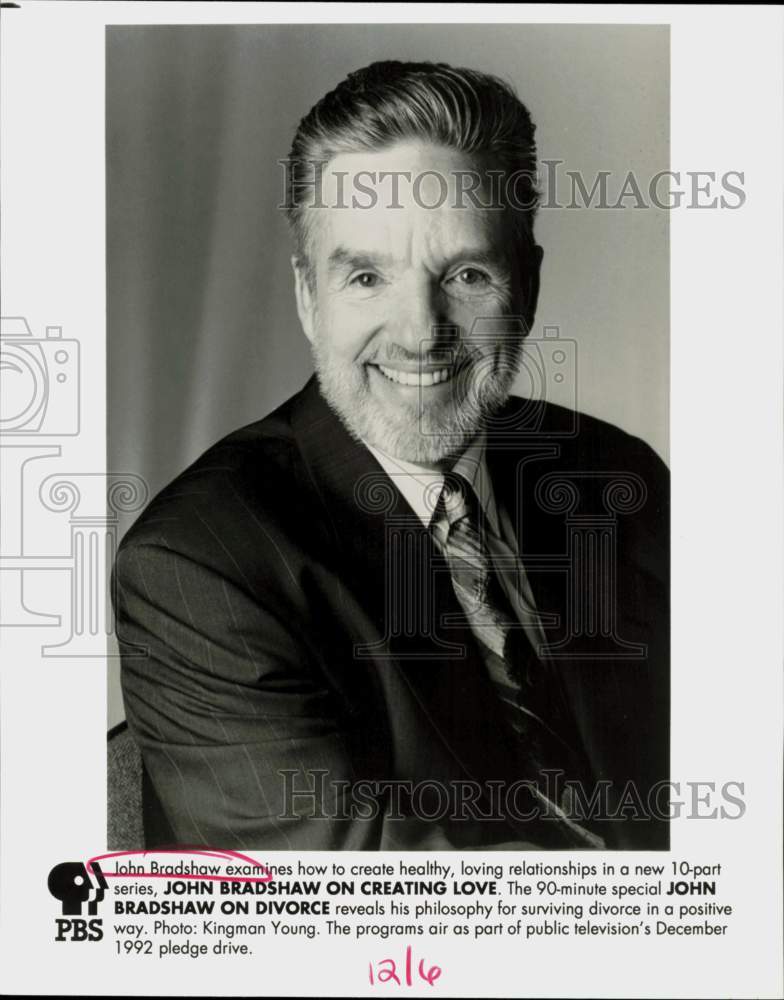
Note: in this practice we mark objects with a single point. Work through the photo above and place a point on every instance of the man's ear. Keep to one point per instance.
(531, 290)
(304, 294)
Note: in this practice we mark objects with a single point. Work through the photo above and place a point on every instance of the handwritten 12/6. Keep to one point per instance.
(386, 971)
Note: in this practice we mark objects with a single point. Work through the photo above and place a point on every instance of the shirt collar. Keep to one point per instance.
(421, 487)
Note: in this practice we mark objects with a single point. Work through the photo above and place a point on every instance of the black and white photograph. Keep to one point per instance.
(391, 522)
(397, 336)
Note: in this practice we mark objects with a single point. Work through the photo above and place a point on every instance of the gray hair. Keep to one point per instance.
(387, 102)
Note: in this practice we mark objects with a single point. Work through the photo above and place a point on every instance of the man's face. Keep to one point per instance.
(414, 306)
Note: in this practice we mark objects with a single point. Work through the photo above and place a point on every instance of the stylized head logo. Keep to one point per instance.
(71, 884)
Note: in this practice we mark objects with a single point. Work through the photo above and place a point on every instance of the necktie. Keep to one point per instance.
(520, 678)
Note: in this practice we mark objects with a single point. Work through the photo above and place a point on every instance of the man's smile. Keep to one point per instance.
(415, 375)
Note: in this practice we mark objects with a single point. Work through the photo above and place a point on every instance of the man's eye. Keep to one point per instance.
(365, 280)
(471, 277)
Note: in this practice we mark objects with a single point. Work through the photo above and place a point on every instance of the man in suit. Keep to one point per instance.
(406, 610)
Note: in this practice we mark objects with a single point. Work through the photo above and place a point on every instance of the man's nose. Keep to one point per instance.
(419, 315)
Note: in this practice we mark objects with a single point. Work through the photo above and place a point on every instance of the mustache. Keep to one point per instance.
(455, 355)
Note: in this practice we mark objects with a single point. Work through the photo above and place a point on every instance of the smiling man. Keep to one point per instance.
(407, 610)
(387, 295)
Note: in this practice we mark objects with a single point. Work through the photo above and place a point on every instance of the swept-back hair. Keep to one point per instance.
(386, 102)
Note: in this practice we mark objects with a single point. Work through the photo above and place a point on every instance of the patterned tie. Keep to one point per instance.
(519, 676)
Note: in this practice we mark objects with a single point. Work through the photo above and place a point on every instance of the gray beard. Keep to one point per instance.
(424, 434)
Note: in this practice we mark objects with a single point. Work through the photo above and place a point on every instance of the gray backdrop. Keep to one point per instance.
(202, 330)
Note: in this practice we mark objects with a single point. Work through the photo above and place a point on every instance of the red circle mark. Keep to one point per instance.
(210, 853)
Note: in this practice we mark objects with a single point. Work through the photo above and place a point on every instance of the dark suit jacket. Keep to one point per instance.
(265, 603)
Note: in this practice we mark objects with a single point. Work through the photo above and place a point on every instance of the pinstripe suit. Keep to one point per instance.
(265, 652)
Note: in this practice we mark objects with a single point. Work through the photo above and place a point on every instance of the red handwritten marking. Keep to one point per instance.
(387, 971)
(216, 853)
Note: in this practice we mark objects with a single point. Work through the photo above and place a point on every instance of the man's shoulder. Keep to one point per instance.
(586, 441)
(249, 475)
(577, 462)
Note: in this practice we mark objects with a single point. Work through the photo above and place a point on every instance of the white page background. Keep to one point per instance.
(727, 576)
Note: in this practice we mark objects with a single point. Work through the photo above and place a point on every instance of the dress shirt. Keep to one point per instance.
(421, 488)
